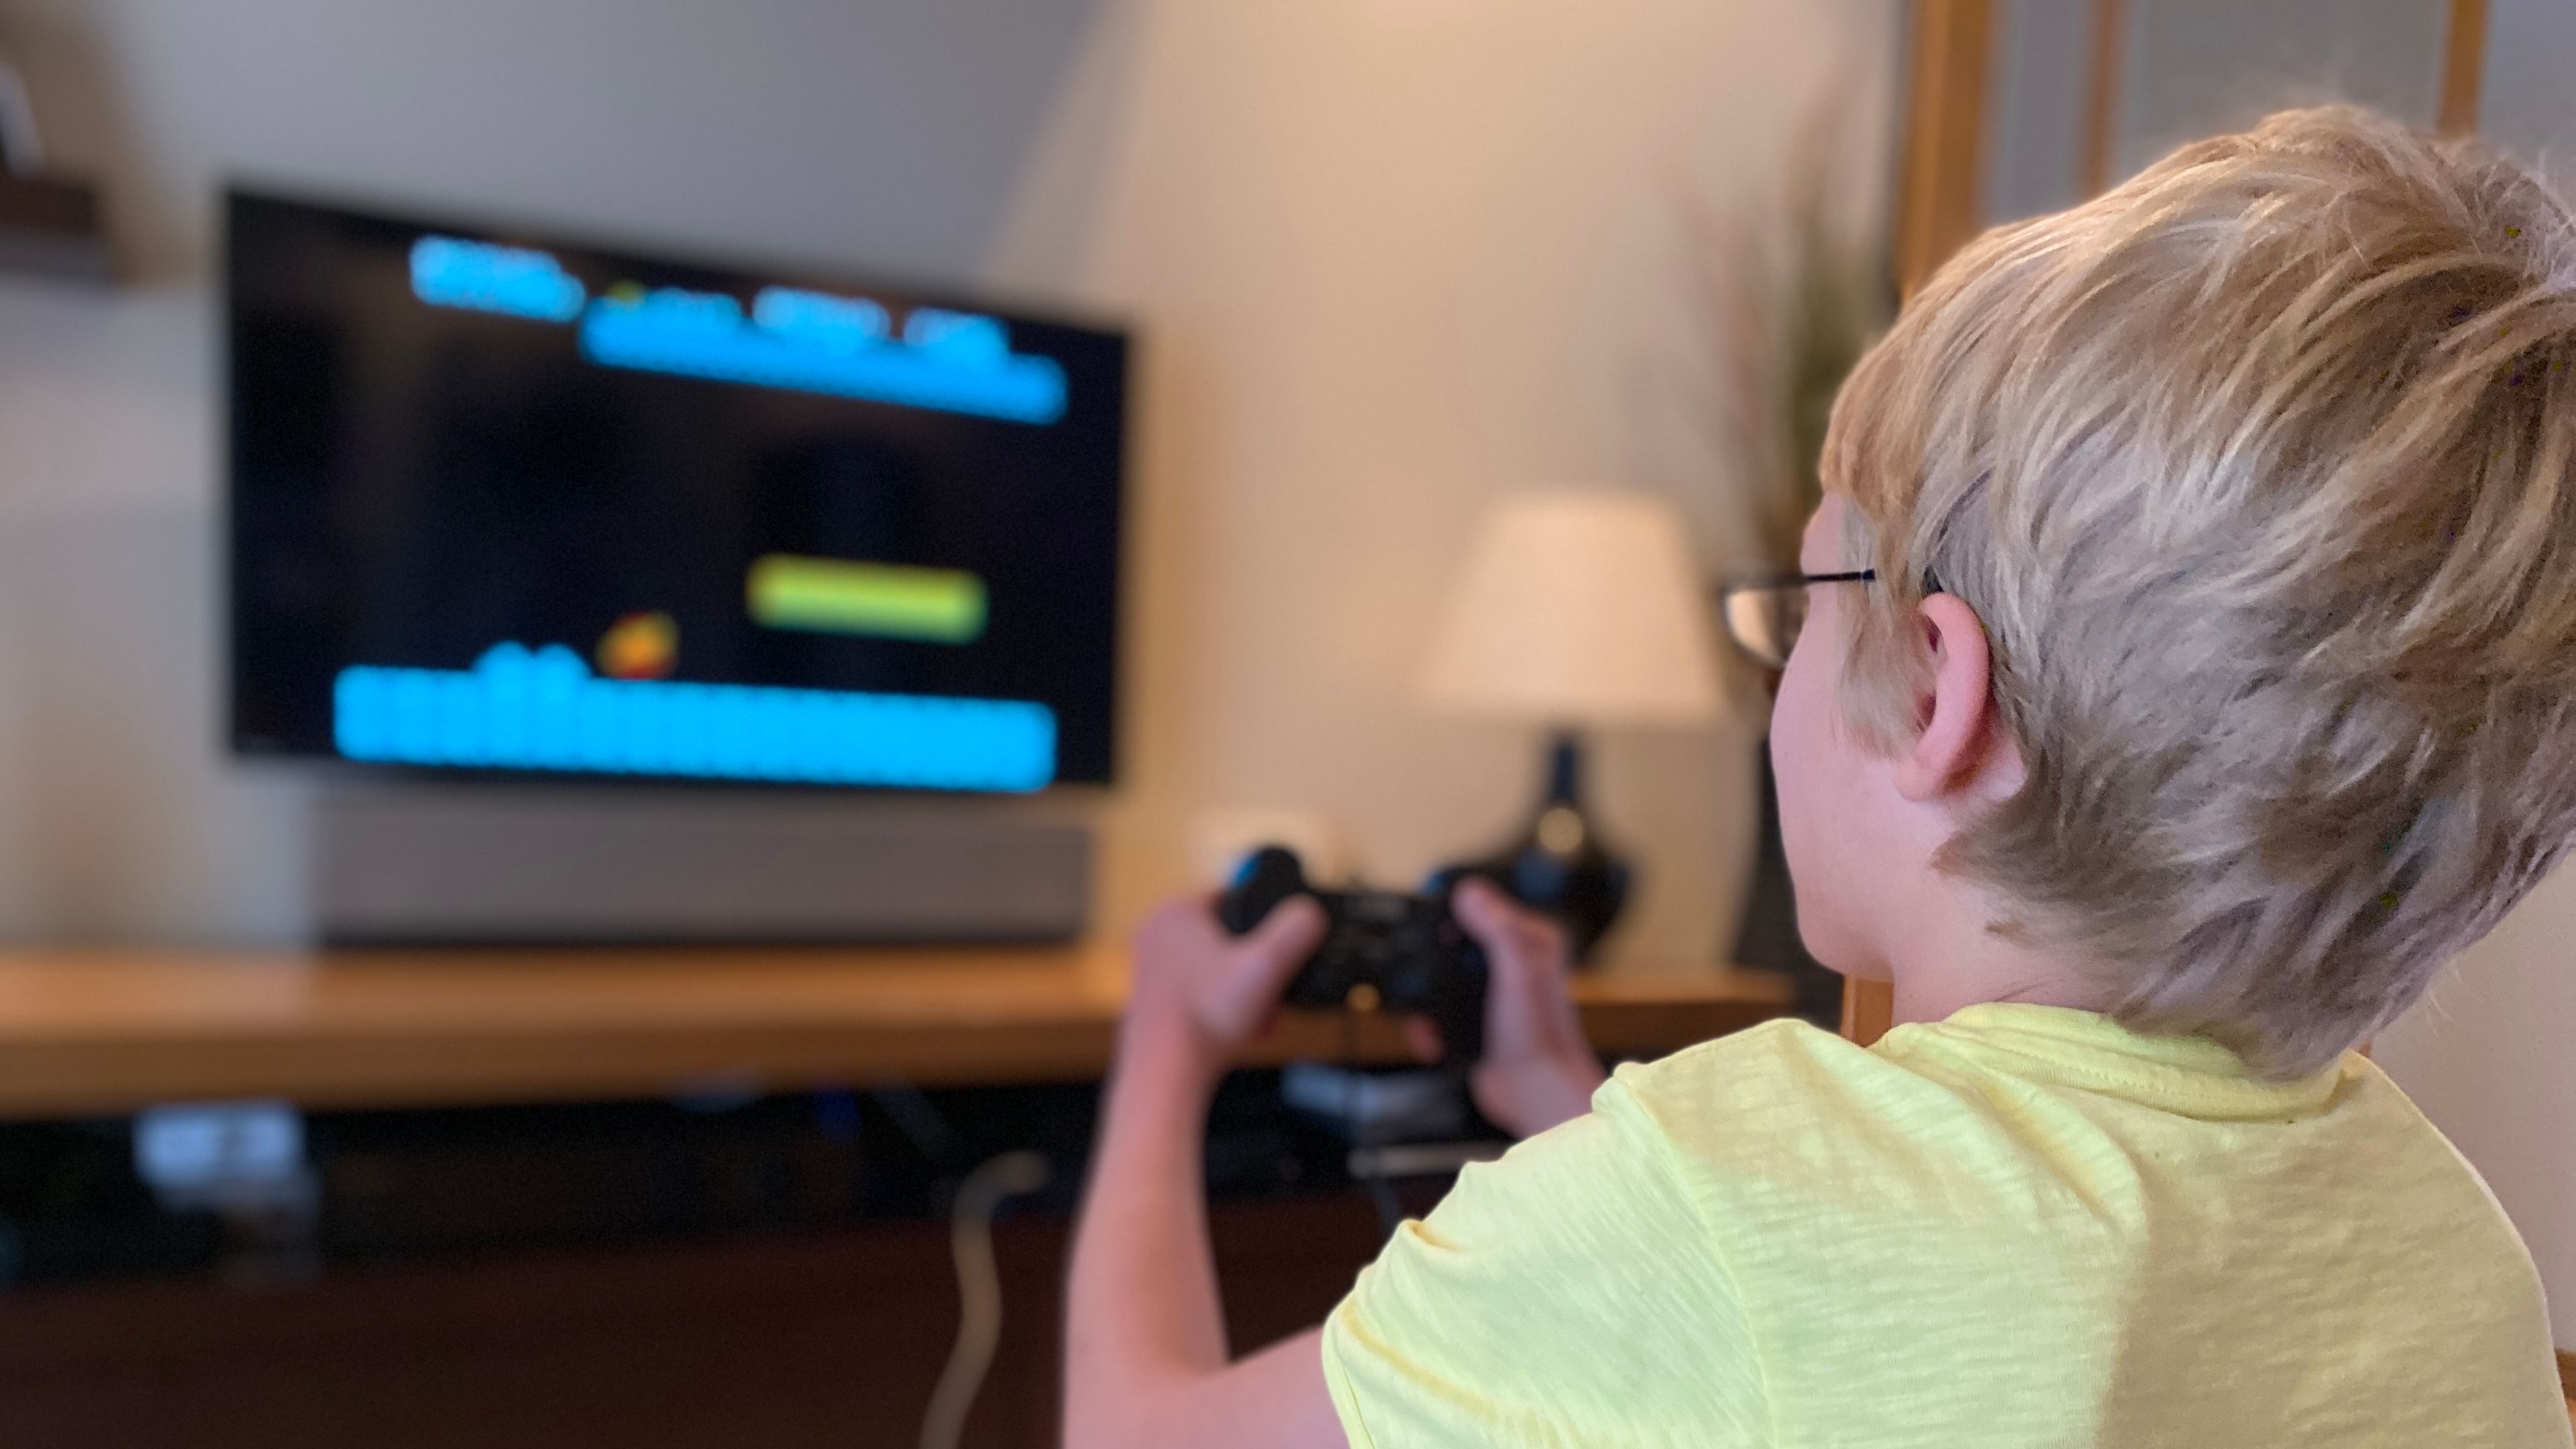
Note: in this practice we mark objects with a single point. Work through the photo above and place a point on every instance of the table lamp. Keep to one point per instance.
(1578, 609)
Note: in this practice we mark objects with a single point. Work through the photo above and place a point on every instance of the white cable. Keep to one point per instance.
(22, 146)
(979, 1290)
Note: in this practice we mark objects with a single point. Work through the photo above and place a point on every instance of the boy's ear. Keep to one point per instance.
(1957, 744)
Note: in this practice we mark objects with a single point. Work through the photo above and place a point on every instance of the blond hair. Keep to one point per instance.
(2261, 473)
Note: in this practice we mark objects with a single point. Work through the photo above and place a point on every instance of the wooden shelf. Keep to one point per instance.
(102, 1032)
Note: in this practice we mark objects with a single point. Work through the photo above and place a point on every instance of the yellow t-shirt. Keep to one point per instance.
(2021, 1226)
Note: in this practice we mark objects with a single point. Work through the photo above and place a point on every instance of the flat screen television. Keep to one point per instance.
(507, 504)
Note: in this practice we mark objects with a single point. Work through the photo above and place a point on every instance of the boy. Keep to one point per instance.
(2196, 673)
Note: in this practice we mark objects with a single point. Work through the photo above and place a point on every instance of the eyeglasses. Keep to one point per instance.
(1763, 616)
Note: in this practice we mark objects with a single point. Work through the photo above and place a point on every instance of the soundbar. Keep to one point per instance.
(510, 865)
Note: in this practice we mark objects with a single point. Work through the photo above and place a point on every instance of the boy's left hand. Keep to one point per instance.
(1537, 1070)
(1199, 993)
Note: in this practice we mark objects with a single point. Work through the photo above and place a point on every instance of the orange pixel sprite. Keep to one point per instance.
(640, 646)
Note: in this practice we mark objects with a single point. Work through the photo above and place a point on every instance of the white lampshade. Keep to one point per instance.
(1577, 607)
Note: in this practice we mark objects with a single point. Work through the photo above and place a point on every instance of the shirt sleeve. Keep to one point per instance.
(1567, 1294)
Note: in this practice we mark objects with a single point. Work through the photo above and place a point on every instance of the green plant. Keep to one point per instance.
(1789, 300)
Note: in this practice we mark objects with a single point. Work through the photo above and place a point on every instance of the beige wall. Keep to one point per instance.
(1425, 252)
(1388, 257)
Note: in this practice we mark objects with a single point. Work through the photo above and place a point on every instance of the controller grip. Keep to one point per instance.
(1456, 1005)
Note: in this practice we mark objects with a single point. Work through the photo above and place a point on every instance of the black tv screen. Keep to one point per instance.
(508, 505)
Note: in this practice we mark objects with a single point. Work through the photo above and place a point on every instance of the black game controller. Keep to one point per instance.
(1408, 949)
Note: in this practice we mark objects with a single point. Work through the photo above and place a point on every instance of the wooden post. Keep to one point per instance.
(2102, 106)
(1945, 132)
(1869, 1009)
(2463, 61)
(1936, 215)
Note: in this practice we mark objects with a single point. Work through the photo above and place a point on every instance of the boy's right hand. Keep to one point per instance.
(1537, 1070)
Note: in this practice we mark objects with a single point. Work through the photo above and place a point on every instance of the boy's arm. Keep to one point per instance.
(1145, 1351)
(1145, 1357)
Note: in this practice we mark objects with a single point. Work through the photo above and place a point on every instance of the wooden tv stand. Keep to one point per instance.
(101, 1032)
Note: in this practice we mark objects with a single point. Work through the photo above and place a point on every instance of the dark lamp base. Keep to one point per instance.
(1559, 865)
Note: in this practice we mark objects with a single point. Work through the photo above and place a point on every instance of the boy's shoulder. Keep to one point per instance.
(1782, 1074)
(1751, 1057)
(1781, 1119)
(1955, 1132)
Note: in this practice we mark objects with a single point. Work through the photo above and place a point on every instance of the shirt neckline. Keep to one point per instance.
(2191, 1075)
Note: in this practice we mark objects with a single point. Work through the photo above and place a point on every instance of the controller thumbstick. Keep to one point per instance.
(1267, 876)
